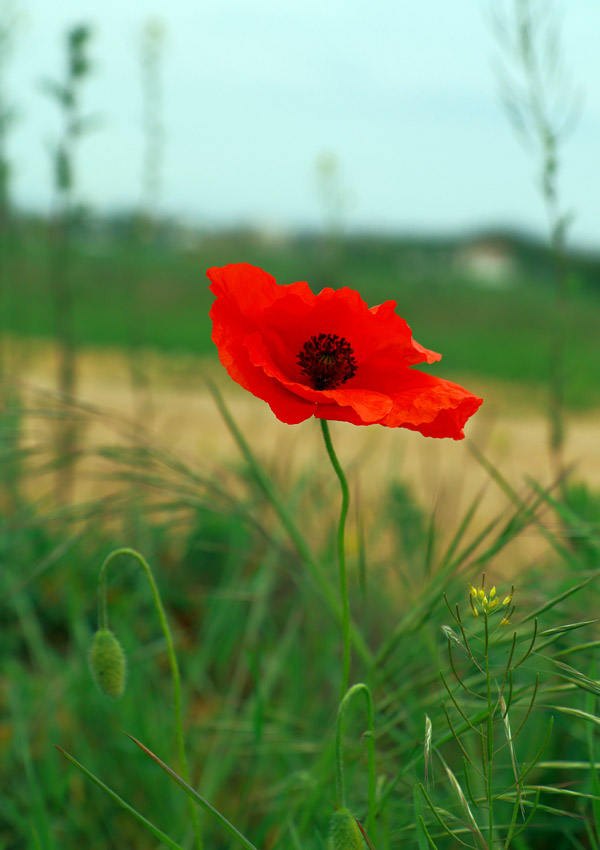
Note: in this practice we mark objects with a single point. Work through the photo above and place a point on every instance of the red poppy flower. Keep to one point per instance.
(329, 356)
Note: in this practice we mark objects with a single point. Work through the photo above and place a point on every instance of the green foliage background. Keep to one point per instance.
(158, 294)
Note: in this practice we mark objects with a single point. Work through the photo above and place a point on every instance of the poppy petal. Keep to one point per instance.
(228, 334)
(432, 406)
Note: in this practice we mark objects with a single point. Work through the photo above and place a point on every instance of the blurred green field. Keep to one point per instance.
(156, 295)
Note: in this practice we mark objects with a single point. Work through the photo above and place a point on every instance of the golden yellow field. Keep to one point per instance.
(181, 416)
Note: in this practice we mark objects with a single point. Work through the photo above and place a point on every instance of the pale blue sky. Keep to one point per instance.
(403, 93)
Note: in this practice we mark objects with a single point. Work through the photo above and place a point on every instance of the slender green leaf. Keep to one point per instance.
(418, 807)
(561, 596)
(568, 627)
(196, 797)
(577, 712)
(156, 832)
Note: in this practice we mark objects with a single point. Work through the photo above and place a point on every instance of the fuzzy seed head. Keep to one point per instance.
(344, 833)
(108, 663)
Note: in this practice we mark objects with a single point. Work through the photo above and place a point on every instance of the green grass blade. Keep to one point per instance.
(529, 512)
(590, 707)
(463, 526)
(196, 797)
(577, 712)
(567, 765)
(418, 807)
(156, 832)
(561, 597)
(430, 840)
(435, 812)
(568, 627)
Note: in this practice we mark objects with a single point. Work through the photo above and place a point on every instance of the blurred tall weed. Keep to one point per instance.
(334, 201)
(152, 44)
(146, 232)
(9, 401)
(542, 105)
(66, 93)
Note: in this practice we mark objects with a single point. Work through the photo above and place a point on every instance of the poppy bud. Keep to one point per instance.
(108, 664)
(344, 833)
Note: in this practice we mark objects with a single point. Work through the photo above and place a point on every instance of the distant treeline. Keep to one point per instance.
(499, 255)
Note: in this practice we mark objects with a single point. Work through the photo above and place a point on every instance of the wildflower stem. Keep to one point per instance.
(287, 520)
(489, 755)
(102, 623)
(341, 555)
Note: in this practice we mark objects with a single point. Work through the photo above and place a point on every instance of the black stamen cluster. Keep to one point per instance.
(327, 360)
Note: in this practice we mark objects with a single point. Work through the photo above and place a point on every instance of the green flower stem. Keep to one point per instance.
(102, 622)
(490, 736)
(341, 555)
(340, 787)
(287, 520)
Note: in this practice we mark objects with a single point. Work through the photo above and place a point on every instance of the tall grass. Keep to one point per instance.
(257, 634)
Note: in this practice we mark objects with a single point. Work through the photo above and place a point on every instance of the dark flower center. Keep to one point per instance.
(327, 360)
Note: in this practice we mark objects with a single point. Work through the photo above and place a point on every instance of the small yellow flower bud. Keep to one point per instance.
(492, 592)
(504, 621)
(344, 833)
(506, 600)
(107, 663)
(493, 603)
(481, 593)
(475, 612)
(473, 590)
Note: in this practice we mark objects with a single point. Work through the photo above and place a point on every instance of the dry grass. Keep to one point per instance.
(511, 430)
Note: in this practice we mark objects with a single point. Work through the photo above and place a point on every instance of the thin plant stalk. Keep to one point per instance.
(333, 200)
(7, 116)
(490, 735)
(288, 522)
(146, 220)
(530, 84)
(67, 96)
(9, 401)
(341, 550)
(103, 624)
(152, 43)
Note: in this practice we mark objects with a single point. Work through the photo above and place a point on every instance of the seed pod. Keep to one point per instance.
(344, 833)
(108, 664)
